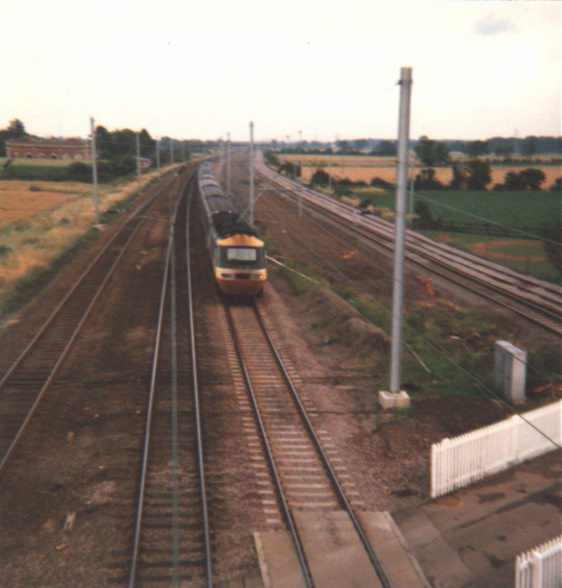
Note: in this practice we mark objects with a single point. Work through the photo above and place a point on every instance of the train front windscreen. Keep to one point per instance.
(235, 257)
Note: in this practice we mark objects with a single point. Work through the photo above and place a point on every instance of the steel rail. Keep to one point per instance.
(197, 410)
(477, 287)
(340, 492)
(82, 277)
(149, 414)
(65, 351)
(297, 542)
(488, 291)
(174, 421)
(384, 229)
(151, 395)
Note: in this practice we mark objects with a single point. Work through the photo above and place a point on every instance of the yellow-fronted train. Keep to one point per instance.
(237, 254)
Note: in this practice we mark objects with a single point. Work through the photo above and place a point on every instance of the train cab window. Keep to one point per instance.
(241, 254)
(242, 257)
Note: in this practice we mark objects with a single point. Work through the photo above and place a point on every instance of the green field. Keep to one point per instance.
(36, 169)
(38, 162)
(496, 212)
(513, 209)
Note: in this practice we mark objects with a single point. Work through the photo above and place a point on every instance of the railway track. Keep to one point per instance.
(171, 539)
(29, 376)
(537, 301)
(305, 477)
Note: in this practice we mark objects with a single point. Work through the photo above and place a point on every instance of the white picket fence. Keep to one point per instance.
(462, 460)
(541, 567)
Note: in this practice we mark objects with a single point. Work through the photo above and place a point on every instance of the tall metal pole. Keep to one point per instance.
(138, 156)
(252, 187)
(158, 154)
(228, 164)
(94, 168)
(400, 228)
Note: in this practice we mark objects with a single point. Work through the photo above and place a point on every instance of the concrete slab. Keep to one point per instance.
(279, 565)
(398, 562)
(441, 564)
(472, 537)
(335, 554)
(389, 400)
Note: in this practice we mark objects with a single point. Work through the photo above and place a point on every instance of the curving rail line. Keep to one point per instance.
(534, 299)
(27, 379)
(257, 355)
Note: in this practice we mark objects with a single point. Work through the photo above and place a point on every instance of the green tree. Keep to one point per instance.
(385, 148)
(513, 181)
(557, 186)
(320, 178)
(16, 129)
(460, 177)
(477, 148)
(103, 143)
(426, 180)
(479, 175)
(533, 178)
(147, 144)
(529, 146)
(430, 152)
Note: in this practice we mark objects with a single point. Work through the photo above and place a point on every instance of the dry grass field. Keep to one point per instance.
(38, 227)
(24, 200)
(340, 160)
(364, 168)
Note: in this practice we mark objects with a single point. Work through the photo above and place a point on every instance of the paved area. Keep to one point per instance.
(471, 538)
(334, 553)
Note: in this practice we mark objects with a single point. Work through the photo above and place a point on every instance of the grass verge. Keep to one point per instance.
(35, 249)
(448, 351)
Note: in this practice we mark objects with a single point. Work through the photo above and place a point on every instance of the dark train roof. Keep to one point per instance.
(220, 208)
(228, 223)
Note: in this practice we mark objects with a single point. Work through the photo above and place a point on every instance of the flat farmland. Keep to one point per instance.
(24, 200)
(40, 162)
(513, 209)
(520, 214)
(365, 168)
(340, 160)
(38, 226)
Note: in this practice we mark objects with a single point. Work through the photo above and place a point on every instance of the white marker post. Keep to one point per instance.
(252, 187)
(398, 398)
(94, 168)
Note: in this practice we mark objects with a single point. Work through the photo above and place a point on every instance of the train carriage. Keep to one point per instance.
(237, 253)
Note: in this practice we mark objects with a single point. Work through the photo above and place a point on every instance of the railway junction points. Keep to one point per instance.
(156, 434)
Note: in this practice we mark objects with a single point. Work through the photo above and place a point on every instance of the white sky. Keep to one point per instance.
(196, 68)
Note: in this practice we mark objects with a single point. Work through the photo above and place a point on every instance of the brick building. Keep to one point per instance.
(38, 148)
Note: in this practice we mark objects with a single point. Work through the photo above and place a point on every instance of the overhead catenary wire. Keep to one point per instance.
(446, 355)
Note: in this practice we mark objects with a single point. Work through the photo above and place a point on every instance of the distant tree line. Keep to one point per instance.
(14, 130)
(116, 153)
(503, 147)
